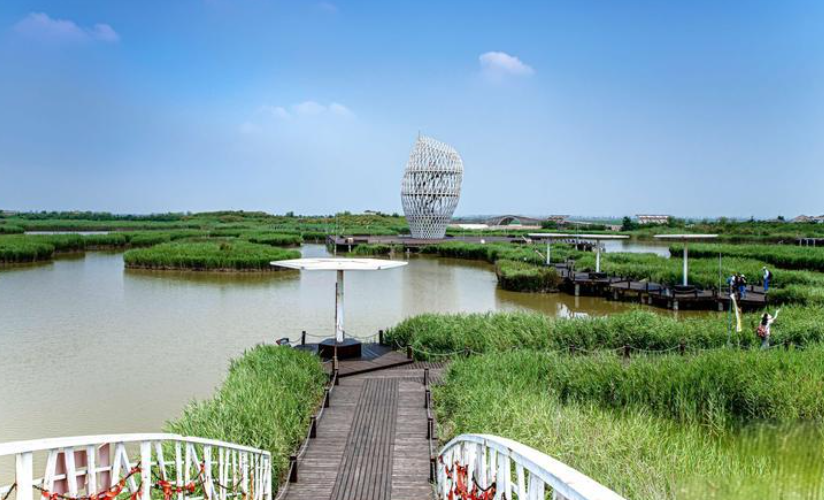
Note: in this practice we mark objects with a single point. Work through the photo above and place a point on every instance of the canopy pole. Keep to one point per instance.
(548, 250)
(686, 264)
(339, 307)
(597, 257)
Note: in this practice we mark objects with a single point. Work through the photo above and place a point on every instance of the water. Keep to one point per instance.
(87, 347)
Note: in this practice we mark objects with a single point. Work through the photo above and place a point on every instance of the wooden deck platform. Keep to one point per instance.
(371, 441)
(373, 357)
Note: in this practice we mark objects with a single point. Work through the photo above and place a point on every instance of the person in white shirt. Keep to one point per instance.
(763, 329)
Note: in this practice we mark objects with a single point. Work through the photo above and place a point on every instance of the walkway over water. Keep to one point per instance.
(372, 442)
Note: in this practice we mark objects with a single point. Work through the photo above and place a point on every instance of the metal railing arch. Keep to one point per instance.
(491, 467)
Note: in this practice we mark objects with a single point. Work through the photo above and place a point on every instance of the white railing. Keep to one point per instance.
(100, 468)
(481, 466)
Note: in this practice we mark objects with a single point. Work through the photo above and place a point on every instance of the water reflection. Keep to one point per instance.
(90, 348)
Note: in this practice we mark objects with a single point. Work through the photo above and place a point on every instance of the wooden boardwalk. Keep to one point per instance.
(371, 441)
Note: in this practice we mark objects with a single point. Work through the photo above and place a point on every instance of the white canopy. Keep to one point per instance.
(686, 236)
(339, 264)
(579, 236)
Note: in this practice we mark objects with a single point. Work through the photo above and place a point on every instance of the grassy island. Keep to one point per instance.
(209, 255)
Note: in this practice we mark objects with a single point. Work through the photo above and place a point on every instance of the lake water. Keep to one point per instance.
(87, 347)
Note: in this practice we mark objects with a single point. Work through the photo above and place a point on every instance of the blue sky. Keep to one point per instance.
(696, 108)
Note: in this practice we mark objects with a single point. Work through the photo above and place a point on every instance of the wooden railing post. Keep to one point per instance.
(380, 337)
(293, 472)
(303, 337)
(426, 398)
(682, 348)
(626, 351)
(326, 398)
(430, 428)
(313, 427)
(426, 377)
(408, 351)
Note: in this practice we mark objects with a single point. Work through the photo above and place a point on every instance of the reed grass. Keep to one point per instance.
(21, 249)
(783, 256)
(440, 334)
(633, 450)
(372, 249)
(265, 402)
(520, 276)
(10, 229)
(215, 255)
(273, 239)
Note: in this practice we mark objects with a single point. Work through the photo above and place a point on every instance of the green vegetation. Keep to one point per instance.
(520, 276)
(219, 255)
(273, 239)
(737, 231)
(713, 388)
(783, 256)
(10, 229)
(19, 249)
(632, 446)
(373, 249)
(265, 402)
(640, 329)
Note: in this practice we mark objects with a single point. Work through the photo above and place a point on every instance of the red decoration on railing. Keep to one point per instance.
(460, 490)
(107, 494)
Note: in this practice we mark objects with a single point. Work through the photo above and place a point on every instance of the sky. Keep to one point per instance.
(689, 107)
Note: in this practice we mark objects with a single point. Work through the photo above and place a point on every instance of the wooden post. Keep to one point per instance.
(467, 352)
(426, 398)
(430, 425)
(571, 349)
(408, 351)
(326, 398)
(432, 469)
(380, 337)
(426, 377)
(626, 351)
(313, 427)
(682, 348)
(303, 337)
(293, 469)
(336, 376)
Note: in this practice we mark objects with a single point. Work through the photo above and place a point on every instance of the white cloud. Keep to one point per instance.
(104, 33)
(498, 65)
(340, 109)
(276, 111)
(39, 26)
(301, 111)
(309, 108)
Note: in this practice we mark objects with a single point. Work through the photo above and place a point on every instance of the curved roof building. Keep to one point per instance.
(431, 187)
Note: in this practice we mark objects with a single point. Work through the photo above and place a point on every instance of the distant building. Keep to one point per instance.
(653, 219)
(819, 219)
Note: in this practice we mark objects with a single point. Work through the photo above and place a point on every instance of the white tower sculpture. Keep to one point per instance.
(431, 187)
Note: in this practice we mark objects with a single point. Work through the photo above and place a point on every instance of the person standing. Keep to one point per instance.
(742, 287)
(763, 330)
(767, 279)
